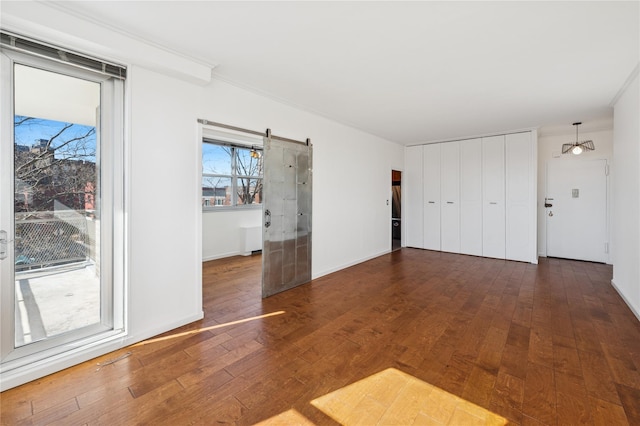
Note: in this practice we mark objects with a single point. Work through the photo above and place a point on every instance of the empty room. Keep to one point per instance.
(385, 212)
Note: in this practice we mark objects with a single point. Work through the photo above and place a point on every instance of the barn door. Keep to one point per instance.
(286, 247)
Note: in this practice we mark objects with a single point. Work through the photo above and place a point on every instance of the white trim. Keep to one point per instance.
(46, 366)
(485, 135)
(27, 373)
(221, 256)
(152, 332)
(348, 264)
(50, 21)
(625, 85)
(626, 301)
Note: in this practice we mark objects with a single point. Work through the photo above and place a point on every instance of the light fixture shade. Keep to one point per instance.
(577, 147)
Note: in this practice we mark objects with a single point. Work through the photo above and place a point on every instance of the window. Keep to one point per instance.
(231, 175)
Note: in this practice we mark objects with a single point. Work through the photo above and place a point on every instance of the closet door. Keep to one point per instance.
(413, 209)
(493, 189)
(431, 179)
(450, 197)
(519, 208)
(471, 197)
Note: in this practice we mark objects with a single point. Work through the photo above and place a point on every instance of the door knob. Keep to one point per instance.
(550, 213)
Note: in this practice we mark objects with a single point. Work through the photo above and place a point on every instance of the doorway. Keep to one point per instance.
(396, 210)
(576, 210)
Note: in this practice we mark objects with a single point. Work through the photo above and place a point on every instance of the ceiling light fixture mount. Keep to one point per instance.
(578, 147)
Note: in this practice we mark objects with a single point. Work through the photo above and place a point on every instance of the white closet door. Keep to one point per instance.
(471, 197)
(431, 174)
(493, 208)
(413, 207)
(450, 197)
(519, 209)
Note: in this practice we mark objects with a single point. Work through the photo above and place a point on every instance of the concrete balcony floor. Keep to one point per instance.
(55, 301)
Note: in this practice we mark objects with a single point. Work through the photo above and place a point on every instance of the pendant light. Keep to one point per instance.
(577, 148)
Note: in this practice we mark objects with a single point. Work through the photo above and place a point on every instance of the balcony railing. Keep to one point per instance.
(47, 239)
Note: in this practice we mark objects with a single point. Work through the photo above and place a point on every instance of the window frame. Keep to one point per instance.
(233, 176)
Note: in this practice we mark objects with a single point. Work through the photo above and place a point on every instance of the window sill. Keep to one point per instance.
(231, 208)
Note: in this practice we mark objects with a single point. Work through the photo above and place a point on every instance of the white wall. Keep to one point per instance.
(351, 180)
(222, 231)
(550, 142)
(626, 189)
(351, 174)
(164, 259)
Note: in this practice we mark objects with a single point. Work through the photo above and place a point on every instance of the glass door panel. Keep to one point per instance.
(56, 204)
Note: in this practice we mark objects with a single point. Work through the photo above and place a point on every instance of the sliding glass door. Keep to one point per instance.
(61, 197)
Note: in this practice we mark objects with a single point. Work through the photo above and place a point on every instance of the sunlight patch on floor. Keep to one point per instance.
(392, 397)
(288, 418)
(213, 327)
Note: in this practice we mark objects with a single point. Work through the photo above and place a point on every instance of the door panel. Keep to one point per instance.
(431, 173)
(577, 220)
(519, 209)
(493, 209)
(412, 185)
(450, 197)
(287, 203)
(471, 197)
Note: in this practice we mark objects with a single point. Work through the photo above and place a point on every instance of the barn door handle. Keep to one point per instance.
(267, 218)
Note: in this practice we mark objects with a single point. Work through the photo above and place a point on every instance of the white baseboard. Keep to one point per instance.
(635, 312)
(36, 370)
(147, 334)
(346, 265)
(21, 375)
(221, 256)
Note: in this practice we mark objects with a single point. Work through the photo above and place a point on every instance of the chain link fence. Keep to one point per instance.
(42, 242)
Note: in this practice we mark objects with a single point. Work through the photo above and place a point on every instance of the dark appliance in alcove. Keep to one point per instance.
(396, 213)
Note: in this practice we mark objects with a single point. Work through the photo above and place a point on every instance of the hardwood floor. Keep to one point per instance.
(550, 344)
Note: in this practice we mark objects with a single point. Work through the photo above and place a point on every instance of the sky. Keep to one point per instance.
(28, 133)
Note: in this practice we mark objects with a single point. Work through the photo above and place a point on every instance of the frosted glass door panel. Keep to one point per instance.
(431, 173)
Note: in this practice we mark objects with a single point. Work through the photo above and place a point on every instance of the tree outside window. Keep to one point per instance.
(231, 175)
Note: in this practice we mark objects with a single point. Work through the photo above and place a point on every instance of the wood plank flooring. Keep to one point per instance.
(547, 344)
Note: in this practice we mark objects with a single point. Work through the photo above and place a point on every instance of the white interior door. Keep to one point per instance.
(450, 197)
(413, 207)
(431, 173)
(493, 209)
(576, 215)
(471, 197)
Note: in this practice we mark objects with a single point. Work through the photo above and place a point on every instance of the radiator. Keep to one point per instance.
(251, 239)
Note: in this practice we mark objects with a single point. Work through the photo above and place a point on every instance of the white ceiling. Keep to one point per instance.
(409, 72)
